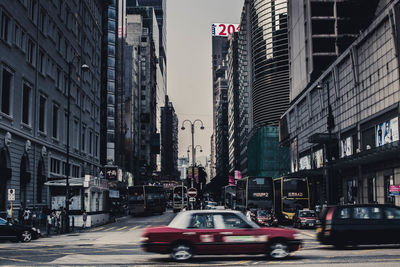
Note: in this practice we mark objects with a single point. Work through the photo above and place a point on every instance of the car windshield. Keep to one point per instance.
(263, 213)
(307, 213)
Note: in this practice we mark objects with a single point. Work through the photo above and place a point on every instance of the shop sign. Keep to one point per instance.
(293, 155)
(305, 163)
(113, 193)
(295, 194)
(394, 190)
(318, 159)
(261, 194)
(387, 132)
(111, 172)
(346, 146)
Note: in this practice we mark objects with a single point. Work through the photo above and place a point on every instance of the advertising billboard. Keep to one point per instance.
(305, 163)
(346, 147)
(293, 155)
(224, 29)
(387, 132)
(318, 159)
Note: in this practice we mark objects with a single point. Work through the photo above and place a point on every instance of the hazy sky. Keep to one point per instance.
(189, 63)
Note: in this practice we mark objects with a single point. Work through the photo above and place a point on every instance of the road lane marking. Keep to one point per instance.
(134, 228)
(109, 229)
(308, 234)
(122, 228)
(12, 259)
(97, 229)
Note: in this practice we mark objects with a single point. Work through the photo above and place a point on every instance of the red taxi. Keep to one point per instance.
(213, 232)
(305, 218)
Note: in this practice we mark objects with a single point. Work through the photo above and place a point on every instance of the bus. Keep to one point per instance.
(254, 192)
(291, 194)
(179, 193)
(146, 199)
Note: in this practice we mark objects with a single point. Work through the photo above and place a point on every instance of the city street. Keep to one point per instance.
(118, 244)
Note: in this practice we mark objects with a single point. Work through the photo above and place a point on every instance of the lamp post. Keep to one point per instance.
(201, 150)
(84, 67)
(192, 124)
(330, 125)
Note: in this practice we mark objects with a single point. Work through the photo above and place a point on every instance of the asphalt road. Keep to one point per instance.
(118, 244)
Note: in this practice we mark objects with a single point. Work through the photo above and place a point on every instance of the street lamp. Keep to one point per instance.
(192, 124)
(330, 125)
(84, 68)
(195, 148)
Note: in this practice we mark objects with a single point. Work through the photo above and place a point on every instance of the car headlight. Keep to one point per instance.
(34, 229)
(297, 236)
(286, 216)
(144, 239)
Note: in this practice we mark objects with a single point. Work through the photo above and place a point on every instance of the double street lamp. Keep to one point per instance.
(84, 68)
(192, 124)
(195, 148)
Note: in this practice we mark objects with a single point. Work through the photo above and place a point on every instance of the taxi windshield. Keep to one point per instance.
(307, 213)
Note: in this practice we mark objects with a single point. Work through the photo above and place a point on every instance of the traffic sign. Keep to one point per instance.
(192, 199)
(11, 194)
(192, 192)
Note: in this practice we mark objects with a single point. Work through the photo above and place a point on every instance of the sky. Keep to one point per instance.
(189, 72)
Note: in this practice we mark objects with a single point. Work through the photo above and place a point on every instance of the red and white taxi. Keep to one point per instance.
(213, 232)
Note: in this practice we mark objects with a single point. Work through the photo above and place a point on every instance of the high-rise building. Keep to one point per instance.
(233, 103)
(221, 137)
(245, 83)
(346, 102)
(160, 43)
(169, 141)
(109, 84)
(269, 85)
(319, 31)
(39, 41)
(142, 25)
(270, 61)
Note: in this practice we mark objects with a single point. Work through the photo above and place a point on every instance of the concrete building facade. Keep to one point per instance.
(38, 40)
(359, 93)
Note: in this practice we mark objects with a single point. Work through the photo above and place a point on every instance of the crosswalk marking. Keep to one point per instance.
(134, 228)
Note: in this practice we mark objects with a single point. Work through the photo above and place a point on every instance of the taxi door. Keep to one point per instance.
(236, 236)
(202, 234)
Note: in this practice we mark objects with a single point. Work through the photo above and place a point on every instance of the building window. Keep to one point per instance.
(31, 52)
(75, 171)
(32, 10)
(96, 148)
(6, 89)
(26, 107)
(42, 113)
(55, 165)
(90, 142)
(42, 21)
(76, 131)
(42, 62)
(83, 141)
(55, 120)
(6, 28)
(388, 181)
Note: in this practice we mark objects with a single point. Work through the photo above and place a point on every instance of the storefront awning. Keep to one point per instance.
(76, 182)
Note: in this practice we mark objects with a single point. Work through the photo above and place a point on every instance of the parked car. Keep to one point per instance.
(218, 232)
(359, 224)
(305, 218)
(210, 205)
(17, 232)
(265, 218)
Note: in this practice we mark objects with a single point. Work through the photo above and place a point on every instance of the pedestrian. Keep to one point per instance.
(84, 218)
(21, 214)
(9, 214)
(27, 216)
(50, 222)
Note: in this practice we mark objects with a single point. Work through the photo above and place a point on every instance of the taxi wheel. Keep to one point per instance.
(26, 236)
(278, 250)
(181, 252)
